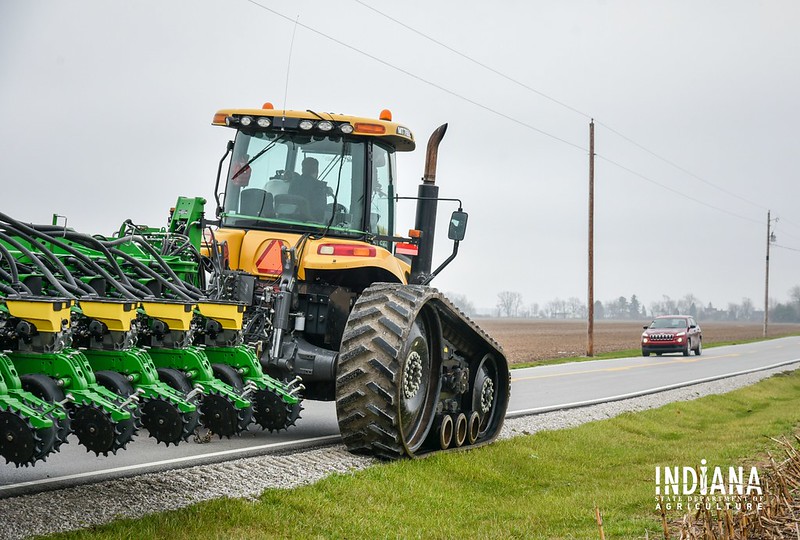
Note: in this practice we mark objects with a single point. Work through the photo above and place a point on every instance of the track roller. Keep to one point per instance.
(473, 427)
(460, 431)
(445, 431)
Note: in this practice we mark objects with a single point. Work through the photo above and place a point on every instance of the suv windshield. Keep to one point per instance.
(674, 322)
(297, 181)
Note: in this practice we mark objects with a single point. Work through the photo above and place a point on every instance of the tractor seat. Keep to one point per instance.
(256, 202)
(292, 207)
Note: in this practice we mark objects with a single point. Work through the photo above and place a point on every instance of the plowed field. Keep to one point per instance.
(528, 340)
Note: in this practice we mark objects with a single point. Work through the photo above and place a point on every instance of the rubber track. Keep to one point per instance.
(369, 369)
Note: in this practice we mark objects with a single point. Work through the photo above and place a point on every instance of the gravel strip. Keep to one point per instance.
(95, 504)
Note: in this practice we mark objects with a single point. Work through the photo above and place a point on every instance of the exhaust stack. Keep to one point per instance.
(427, 205)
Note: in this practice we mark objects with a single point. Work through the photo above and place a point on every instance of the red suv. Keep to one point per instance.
(672, 333)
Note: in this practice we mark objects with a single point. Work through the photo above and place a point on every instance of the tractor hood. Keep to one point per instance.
(259, 253)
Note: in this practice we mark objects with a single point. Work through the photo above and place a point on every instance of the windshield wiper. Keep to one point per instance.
(258, 155)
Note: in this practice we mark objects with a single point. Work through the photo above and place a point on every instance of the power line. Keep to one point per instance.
(675, 191)
(491, 110)
(476, 62)
(785, 247)
(558, 102)
(421, 79)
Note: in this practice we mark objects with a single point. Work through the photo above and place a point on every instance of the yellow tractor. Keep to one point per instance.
(305, 238)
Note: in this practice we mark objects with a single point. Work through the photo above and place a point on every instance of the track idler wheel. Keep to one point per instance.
(20, 443)
(98, 432)
(486, 387)
(165, 422)
(272, 413)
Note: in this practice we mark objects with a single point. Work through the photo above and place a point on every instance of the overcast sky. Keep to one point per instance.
(106, 109)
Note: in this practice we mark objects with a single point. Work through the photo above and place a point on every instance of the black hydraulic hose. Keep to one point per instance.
(17, 285)
(12, 263)
(183, 289)
(8, 289)
(90, 242)
(178, 285)
(124, 288)
(155, 275)
(164, 266)
(13, 276)
(132, 286)
(87, 260)
(35, 260)
(46, 253)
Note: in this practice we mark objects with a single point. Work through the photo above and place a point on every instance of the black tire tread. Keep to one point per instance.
(369, 368)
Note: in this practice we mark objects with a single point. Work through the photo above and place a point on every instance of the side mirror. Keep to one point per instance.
(645, 327)
(692, 326)
(458, 226)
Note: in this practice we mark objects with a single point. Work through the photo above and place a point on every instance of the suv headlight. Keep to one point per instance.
(679, 334)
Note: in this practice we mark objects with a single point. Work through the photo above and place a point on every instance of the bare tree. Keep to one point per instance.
(509, 303)
(746, 309)
(463, 303)
(576, 309)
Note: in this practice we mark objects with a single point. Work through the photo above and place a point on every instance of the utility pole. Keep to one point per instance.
(590, 331)
(770, 239)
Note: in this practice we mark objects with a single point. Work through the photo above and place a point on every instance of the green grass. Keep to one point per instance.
(627, 353)
(536, 486)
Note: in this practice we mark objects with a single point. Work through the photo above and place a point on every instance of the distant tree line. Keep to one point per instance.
(511, 304)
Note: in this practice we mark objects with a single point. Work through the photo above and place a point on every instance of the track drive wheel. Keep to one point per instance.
(388, 382)
(22, 444)
(46, 389)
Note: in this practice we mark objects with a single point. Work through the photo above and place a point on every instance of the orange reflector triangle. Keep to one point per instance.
(269, 262)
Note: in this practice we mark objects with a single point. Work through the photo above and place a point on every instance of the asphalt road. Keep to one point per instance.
(534, 390)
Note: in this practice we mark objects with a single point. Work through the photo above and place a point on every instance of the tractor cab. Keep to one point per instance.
(303, 172)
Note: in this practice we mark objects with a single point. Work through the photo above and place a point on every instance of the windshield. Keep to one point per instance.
(298, 181)
(669, 323)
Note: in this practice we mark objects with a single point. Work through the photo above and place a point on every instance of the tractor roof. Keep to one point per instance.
(382, 128)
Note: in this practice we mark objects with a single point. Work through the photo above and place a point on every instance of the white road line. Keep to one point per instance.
(185, 459)
(333, 438)
(576, 404)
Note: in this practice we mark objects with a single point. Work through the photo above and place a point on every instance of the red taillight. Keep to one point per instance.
(406, 249)
(346, 250)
